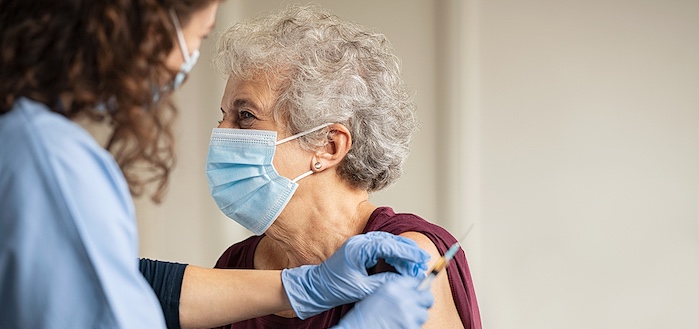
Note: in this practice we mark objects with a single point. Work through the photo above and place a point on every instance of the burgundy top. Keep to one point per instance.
(241, 255)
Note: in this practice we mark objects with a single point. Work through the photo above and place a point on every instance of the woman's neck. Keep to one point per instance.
(315, 231)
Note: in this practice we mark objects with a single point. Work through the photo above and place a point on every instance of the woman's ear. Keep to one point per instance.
(338, 144)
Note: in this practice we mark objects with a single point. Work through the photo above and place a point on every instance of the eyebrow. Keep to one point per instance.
(240, 102)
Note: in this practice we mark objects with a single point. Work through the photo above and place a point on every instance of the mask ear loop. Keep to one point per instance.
(304, 175)
(304, 133)
(292, 137)
(180, 36)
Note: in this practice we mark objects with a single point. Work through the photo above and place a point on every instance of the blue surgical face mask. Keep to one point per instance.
(189, 60)
(242, 179)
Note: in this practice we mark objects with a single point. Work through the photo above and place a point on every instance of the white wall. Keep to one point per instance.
(567, 130)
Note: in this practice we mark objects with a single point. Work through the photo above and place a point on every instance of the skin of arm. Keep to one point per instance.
(216, 297)
(443, 313)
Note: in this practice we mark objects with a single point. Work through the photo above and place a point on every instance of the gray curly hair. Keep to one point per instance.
(331, 71)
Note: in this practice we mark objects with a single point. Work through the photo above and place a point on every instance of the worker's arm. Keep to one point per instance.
(215, 297)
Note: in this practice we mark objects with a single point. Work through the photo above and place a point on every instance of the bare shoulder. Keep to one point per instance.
(425, 244)
(443, 313)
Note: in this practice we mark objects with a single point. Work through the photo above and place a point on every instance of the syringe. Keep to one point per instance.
(442, 262)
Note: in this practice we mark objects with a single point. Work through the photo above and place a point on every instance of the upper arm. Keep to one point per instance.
(443, 313)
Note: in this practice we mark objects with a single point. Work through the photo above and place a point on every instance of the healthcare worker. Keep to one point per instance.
(68, 240)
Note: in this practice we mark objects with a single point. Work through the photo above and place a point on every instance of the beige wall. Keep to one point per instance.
(567, 130)
(590, 163)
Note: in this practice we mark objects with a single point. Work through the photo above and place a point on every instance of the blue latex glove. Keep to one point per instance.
(398, 304)
(343, 277)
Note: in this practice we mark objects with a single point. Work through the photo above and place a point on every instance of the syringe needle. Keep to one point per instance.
(443, 261)
(468, 230)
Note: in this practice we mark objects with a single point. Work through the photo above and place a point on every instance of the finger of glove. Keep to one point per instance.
(394, 247)
(410, 305)
(419, 316)
(342, 287)
(404, 288)
(409, 268)
(351, 256)
(414, 304)
(377, 281)
(425, 298)
(364, 287)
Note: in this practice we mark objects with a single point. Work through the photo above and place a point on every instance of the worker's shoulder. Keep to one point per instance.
(30, 130)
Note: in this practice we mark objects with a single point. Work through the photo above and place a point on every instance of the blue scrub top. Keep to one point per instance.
(68, 240)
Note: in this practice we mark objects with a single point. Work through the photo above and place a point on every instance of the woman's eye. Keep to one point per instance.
(245, 119)
(243, 115)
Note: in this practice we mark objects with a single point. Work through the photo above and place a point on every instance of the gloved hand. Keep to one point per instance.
(398, 304)
(343, 277)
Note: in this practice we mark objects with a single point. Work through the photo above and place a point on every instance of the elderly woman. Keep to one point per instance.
(320, 118)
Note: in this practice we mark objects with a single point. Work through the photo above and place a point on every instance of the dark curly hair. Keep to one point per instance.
(108, 57)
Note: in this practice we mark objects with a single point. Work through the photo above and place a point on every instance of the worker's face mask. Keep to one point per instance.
(242, 179)
(185, 68)
(189, 60)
